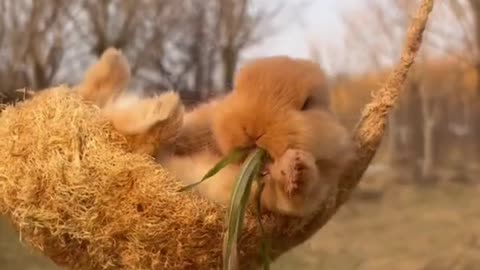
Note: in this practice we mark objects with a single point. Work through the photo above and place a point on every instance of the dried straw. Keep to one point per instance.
(75, 191)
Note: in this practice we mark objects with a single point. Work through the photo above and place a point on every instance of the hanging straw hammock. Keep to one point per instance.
(76, 192)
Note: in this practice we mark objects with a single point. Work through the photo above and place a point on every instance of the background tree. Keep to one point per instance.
(191, 46)
(32, 41)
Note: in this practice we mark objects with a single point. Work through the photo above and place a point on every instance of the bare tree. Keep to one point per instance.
(32, 44)
(385, 23)
(135, 27)
(238, 29)
(209, 40)
(192, 46)
(185, 45)
(414, 132)
(430, 113)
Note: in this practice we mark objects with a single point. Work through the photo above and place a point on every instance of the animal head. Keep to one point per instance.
(270, 104)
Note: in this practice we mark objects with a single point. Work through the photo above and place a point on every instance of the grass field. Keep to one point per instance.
(408, 228)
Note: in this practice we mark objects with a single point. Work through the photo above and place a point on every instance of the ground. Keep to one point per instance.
(406, 228)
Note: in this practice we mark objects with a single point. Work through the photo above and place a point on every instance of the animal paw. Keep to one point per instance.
(133, 115)
(166, 105)
(105, 79)
(293, 170)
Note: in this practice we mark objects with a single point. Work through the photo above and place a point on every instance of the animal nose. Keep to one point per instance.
(253, 137)
(258, 137)
(257, 142)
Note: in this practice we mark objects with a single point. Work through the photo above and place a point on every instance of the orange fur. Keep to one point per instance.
(307, 144)
(265, 110)
(148, 123)
(105, 79)
(192, 167)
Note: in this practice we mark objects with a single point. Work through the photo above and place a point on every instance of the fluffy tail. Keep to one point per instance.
(106, 79)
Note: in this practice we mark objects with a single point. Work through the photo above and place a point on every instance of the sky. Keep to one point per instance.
(319, 19)
(321, 22)
(316, 22)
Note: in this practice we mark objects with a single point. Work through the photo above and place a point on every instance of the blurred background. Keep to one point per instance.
(417, 206)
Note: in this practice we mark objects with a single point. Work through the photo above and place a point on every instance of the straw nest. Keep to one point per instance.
(75, 191)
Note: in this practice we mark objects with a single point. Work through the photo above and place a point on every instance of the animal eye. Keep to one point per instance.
(307, 104)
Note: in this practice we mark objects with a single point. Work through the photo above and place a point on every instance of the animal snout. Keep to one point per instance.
(253, 137)
(258, 137)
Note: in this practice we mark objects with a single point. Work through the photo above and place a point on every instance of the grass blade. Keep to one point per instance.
(238, 205)
(265, 241)
(234, 156)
